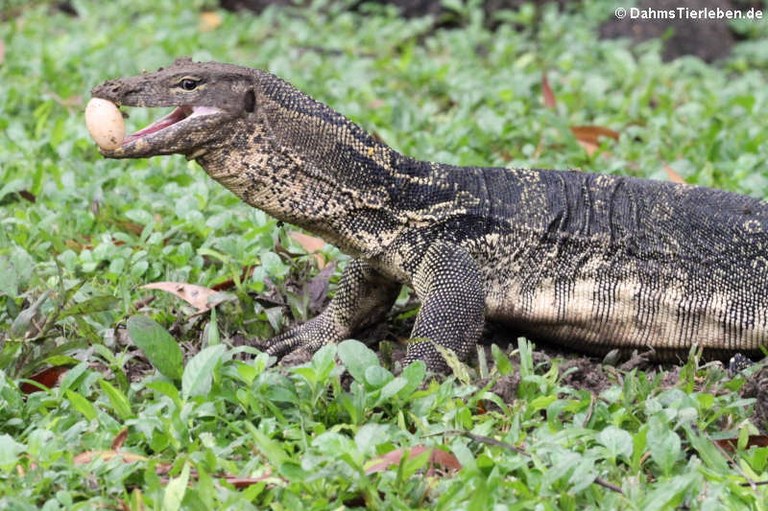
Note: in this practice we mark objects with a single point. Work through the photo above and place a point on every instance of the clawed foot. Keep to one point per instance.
(298, 344)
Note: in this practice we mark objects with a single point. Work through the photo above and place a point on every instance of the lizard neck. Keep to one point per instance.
(304, 163)
(343, 196)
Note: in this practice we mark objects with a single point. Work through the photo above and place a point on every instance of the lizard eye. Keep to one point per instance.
(188, 84)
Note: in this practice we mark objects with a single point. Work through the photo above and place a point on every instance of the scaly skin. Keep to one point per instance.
(592, 262)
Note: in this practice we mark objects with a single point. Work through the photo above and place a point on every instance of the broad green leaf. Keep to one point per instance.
(664, 445)
(616, 441)
(212, 336)
(198, 374)
(157, 344)
(82, 405)
(166, 388)
(669, 493)
(707, 450)
(376, 376)
(272, 449)
(294, 471)
(16, 268)
(639, 443)
(175, 490)
(117, 399)
(583, 475)
(369, 436)
(9, 452)
(414, 374)
(93, 304)
(526, 356)
(336, 444)
(324, 362)
(357, 358)
(503, 366)
(393, 388)
(73, 376)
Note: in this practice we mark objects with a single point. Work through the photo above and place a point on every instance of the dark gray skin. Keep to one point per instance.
(593, 262)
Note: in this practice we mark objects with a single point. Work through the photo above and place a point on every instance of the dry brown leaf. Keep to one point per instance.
(588, 137)
(88, 456)
(546, 92)
(311, 244)
(68, 102)
(198, 297)
(28, 196)
(376, 103)
(729, 444)
(230, 283)
(437, 459)
(318, 288)
(48, 377)
(209, 21)
(672, 175)
(119, 440)
(245, 482)
(129, 226)
(588, 147)
(592, 134)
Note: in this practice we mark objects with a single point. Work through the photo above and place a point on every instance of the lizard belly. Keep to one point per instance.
(597, 315)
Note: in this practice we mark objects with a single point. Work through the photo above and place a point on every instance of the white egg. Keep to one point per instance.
(105, 123)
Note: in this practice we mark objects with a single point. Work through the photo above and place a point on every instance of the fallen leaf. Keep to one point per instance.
(88, 456)
(129, 226)
(68, 102)
(588, 137)
(119, 440)
(376, 103)
(593, 133)
(588, 147)
(729, 444)
(27, 195)
(318, 288)
(230, 283)
(244, 482)
(48, 377)
(140, 304)
(210, 21)
(437, 458)
(199, 297)
(546, 92)
(311, 244)
(672, 175)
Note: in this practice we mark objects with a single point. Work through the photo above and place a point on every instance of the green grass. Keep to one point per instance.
(81, 234)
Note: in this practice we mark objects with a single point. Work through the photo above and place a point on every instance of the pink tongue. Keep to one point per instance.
(172, 118)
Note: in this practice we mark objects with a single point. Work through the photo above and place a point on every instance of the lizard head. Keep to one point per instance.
(204, 95)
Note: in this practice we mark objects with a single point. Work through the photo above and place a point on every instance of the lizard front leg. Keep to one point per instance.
(450, 287)
(362, 299)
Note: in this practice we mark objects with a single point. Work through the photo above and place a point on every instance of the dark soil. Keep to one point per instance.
(709, 40)
(757, 388)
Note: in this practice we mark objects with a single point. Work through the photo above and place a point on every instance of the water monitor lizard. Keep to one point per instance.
(592, 262)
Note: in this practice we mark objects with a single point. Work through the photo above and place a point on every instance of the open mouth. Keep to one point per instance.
(169, 134)
(178, 115)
